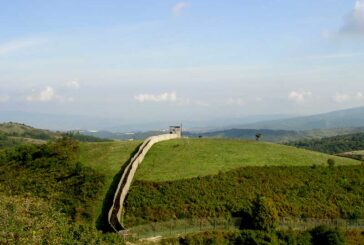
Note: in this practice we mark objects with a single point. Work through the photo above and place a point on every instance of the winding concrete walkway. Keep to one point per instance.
(115, 212)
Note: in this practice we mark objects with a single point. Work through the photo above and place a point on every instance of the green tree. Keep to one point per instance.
(265, 215)
(258, 136)
(331, 162)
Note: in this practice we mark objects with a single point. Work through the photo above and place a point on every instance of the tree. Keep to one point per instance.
(258, 136)
(265, 215)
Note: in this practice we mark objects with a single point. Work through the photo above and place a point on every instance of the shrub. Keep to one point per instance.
(252, 237)
(265, 215)
(304, 238)
(324, 235)
(331, 162)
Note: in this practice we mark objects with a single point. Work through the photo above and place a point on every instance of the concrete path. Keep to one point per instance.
(115, 212)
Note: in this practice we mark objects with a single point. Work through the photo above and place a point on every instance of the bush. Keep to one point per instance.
(265, 215)
(52, 171)
(324, 235)
(234, 193)
(252, 237)
(331, 162)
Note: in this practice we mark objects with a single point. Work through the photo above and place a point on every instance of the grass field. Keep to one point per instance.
(107, 158)
(188, 158)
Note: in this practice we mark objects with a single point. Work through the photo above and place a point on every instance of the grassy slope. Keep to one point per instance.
(21, 129)
(187, 158)
(107, 158)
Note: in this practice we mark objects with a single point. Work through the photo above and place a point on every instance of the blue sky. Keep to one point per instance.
(149, 60)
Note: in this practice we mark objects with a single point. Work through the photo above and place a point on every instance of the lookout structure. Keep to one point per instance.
(176, 130)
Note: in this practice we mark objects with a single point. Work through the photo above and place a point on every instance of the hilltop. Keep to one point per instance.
(25, 131)
(188, 158)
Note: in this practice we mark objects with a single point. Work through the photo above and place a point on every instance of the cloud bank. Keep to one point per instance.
(163, 97)
(45, 95)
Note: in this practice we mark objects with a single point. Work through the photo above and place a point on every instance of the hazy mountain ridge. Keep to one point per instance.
(349, 118)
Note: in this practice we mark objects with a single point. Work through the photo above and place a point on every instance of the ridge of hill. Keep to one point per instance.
(349, 118)
(279, 136)
(22, 130)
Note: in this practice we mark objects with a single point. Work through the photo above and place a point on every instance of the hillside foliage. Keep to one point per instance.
(85, 138)
(61, 189)
(333, 145)
(312, 192)
(52, 171)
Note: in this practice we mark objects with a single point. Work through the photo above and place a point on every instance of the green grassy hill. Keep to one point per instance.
(188, 158)
(25, 131)
(13, 134)
(106, 158)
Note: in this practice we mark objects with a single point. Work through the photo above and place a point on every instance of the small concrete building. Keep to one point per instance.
(176, 130)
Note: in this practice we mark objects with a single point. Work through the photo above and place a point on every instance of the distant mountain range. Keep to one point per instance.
(350, 118)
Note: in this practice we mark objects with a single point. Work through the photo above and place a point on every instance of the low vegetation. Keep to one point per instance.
(306, 191)
(85, 138)
(48, 195)
(188, 158)
(320, 235)
(27, 219)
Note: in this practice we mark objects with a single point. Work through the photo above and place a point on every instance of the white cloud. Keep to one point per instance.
(299, 96)
(342, 98)
(163, 97)
(45, 95)
(16, 45)
(178, 8)
(73, 84)
(354, 24)
(236, 102)
(4, 98)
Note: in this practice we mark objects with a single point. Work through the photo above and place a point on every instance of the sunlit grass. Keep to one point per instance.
(187, 158)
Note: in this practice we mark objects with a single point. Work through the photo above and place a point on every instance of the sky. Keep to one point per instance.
(155, 60)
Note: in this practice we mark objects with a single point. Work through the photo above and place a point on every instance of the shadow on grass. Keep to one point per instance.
(102, 221)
